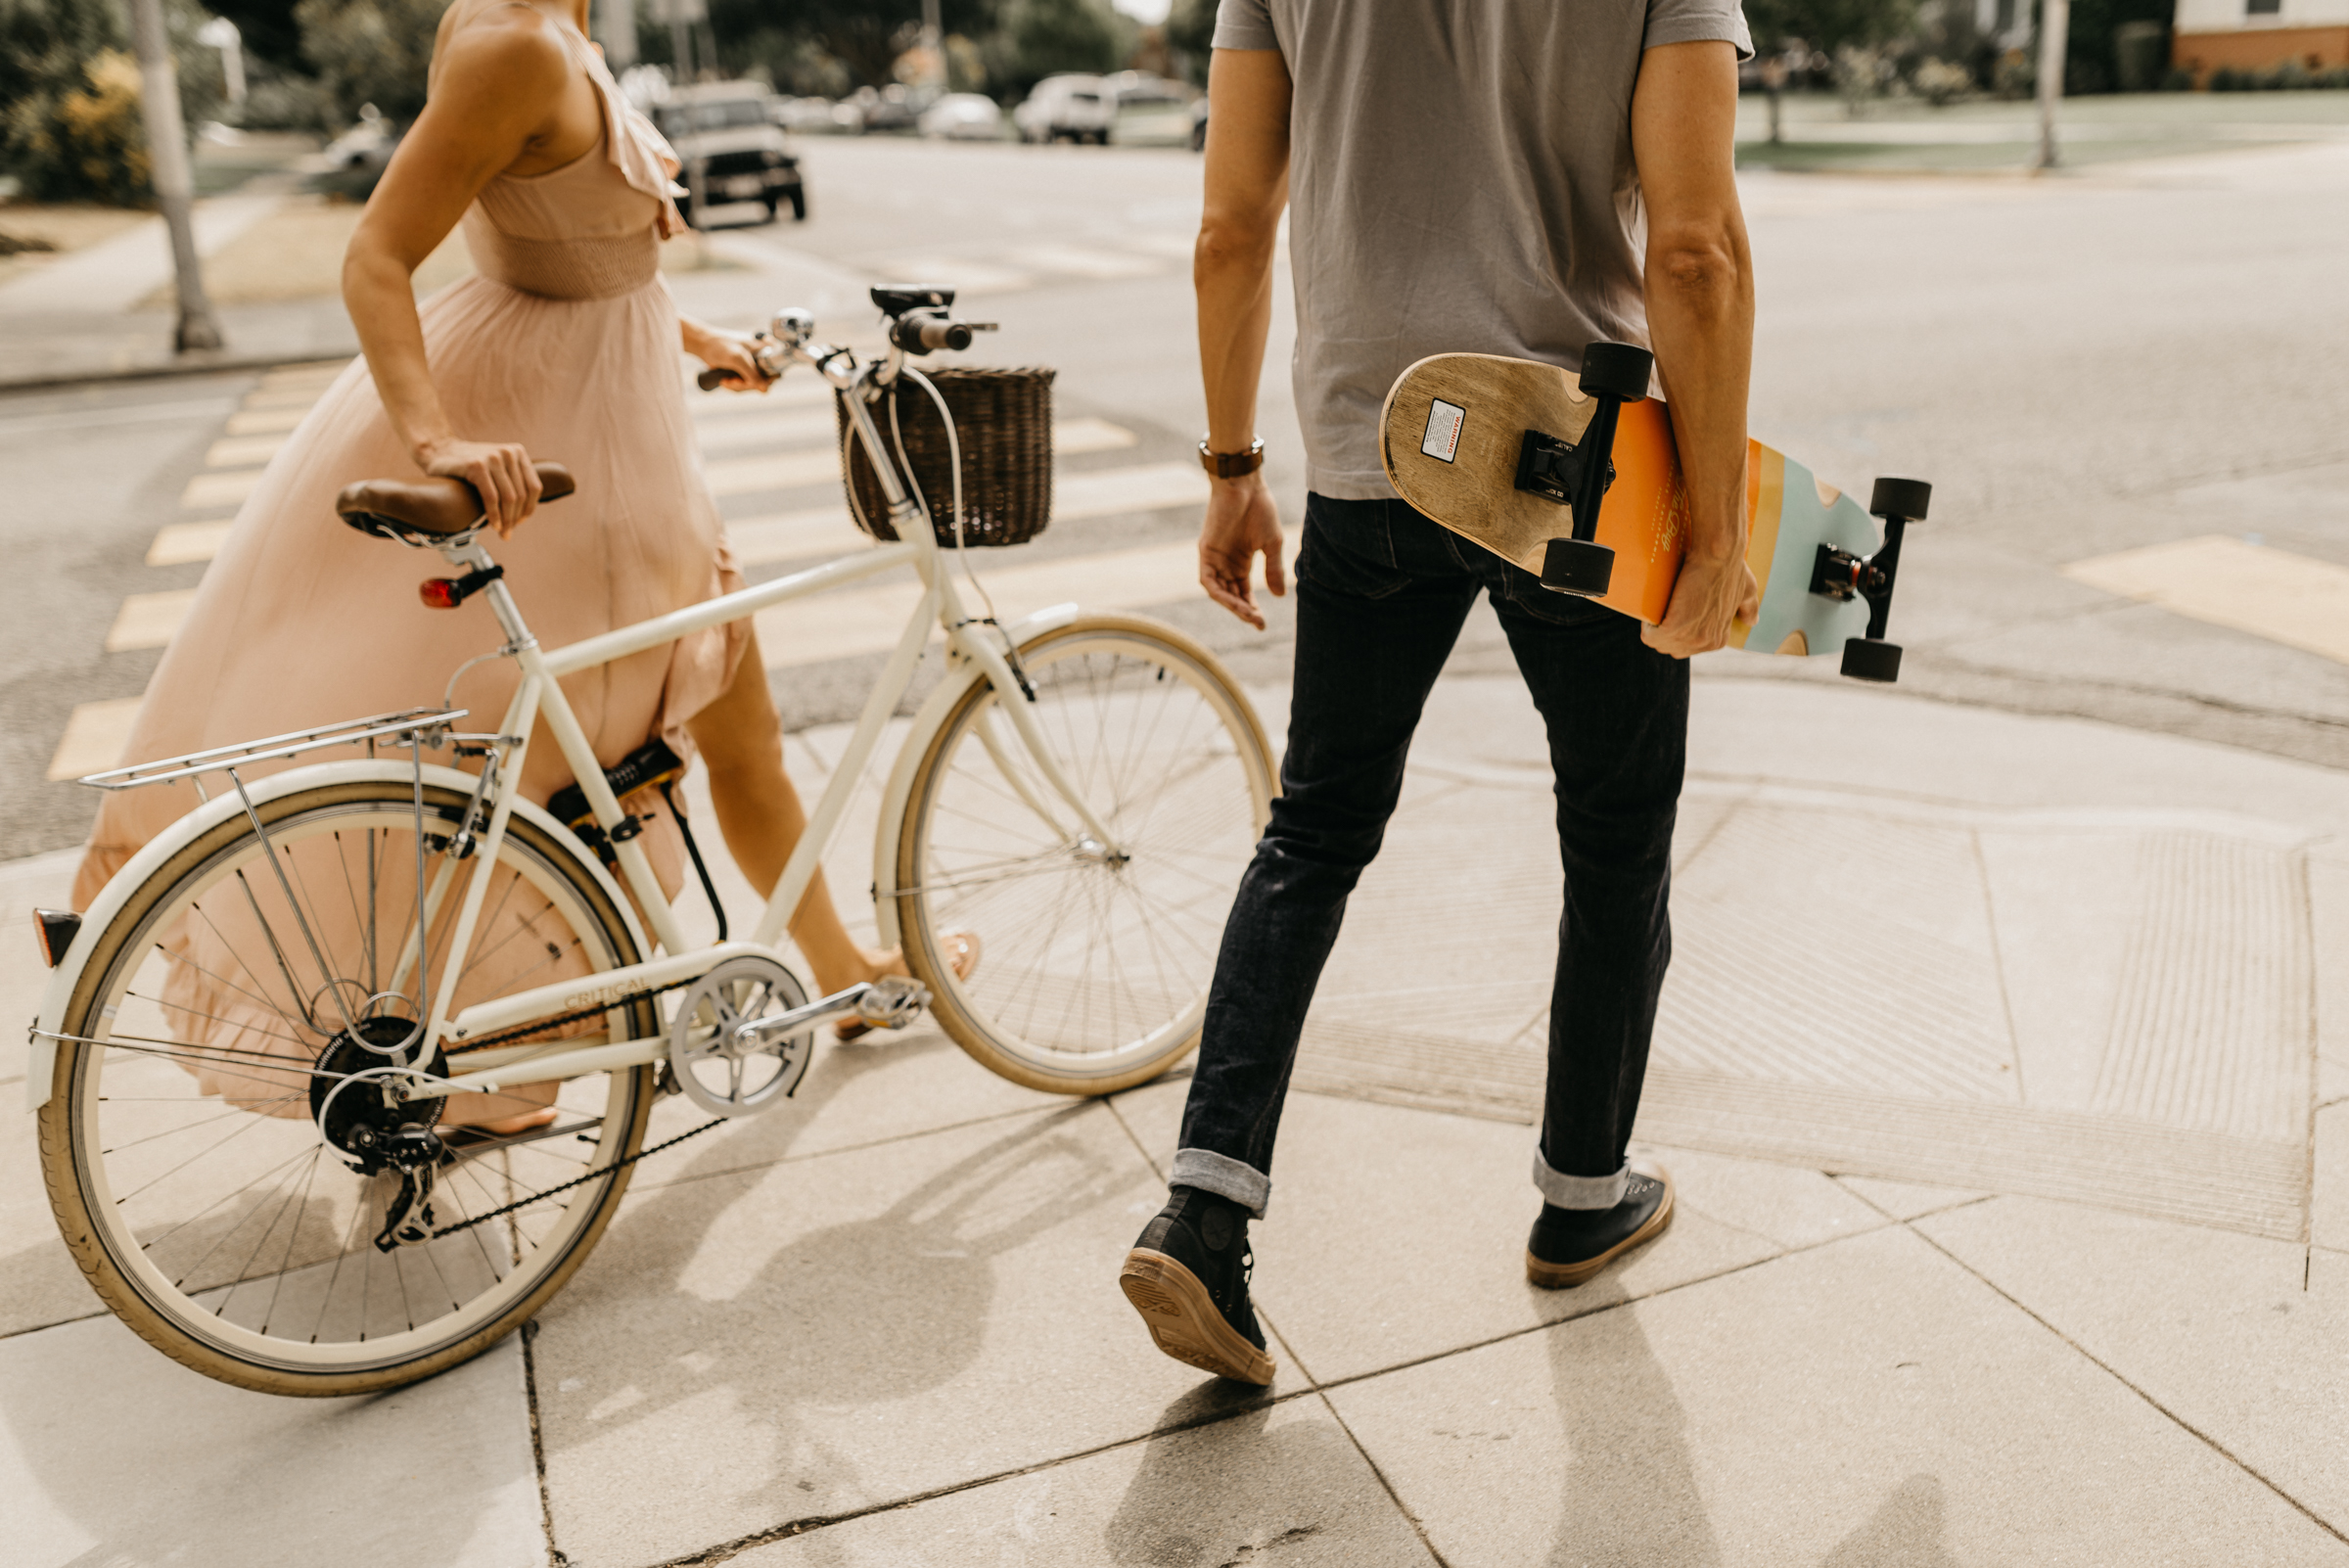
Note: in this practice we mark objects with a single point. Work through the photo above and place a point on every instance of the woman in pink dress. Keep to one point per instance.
(562, 347)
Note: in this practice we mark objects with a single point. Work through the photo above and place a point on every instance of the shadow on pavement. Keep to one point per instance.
(1632, 1495)
(1907, 1529)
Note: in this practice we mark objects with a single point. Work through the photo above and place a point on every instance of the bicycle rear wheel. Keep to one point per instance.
(1095, 968)
(181, 1142)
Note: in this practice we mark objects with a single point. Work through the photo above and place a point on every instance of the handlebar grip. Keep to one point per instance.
(923, 333)
(712, 379)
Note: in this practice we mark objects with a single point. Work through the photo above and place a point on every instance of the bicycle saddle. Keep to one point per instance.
(401, 508)
(896, 301)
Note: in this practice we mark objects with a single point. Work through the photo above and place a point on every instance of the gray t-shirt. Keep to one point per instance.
(1461, 181)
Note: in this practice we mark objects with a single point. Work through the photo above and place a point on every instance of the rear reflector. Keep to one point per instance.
(55, 928)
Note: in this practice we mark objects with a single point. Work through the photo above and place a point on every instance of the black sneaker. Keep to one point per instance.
(1570, 1245)
(1188, 1275)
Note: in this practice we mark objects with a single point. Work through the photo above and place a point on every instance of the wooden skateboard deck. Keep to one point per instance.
(1451, 436)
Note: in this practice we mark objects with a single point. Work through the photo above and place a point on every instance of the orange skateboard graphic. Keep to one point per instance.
(1583, 488)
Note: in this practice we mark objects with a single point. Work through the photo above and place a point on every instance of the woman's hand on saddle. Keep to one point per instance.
(500, 473)
(729, 352)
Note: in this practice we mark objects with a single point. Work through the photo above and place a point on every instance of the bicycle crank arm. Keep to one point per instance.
(890, 1002)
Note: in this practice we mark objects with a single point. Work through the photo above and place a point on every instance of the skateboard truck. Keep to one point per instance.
(1842, 576)
(1577, 473)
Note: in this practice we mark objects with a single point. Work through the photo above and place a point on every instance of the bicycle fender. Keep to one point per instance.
(40, 1065)
(961, 675)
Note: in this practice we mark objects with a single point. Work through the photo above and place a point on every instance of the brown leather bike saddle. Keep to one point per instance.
(425, 511)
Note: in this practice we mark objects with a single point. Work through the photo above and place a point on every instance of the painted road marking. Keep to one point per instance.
(1089, 434)
(96, 736)
(220, 490)
(178, 543)
(782, 471)
(799, 388)
(968, 277)
(829, 530)
(243, 451)
(2275, 594)
(1084, 264)
(812, 427)
(148, 620)
(867, 620)
(282, 398)
(318, 376)
(266, 421)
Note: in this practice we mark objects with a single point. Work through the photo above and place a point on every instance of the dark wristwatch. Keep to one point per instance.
(1233, 465)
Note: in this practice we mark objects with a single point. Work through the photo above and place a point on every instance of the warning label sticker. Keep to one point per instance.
(1443, 437)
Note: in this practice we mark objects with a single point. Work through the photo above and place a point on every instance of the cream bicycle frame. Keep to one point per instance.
(540, 697)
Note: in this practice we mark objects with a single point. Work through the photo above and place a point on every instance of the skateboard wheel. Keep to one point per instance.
(1864, 659)
(1578, 566)
(1616, 370)
(1903, 498)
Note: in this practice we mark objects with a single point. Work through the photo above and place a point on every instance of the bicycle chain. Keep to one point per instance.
(580, 1182)
(532, 1027)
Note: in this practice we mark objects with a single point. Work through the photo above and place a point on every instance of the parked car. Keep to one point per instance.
(1079, 108)
(964, 117)
(887, 109)
(815, 117)
(733, 151)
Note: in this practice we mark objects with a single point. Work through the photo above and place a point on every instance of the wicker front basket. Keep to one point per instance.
(1003, 418)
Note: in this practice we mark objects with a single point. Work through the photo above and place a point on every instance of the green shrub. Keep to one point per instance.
(72, 129)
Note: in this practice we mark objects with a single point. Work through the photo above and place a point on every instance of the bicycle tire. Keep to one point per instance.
(1024, 1014)
(102, 1232)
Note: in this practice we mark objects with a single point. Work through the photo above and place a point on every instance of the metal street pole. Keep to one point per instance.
(2054, 27)
(934, 41)
(174, 182)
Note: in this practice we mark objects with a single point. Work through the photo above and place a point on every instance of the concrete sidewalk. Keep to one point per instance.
(2002, 1069)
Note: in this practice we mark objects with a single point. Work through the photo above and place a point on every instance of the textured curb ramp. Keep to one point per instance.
(2110, 1007)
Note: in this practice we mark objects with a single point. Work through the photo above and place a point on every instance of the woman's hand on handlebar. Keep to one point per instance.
(500, 473)
(726, 353)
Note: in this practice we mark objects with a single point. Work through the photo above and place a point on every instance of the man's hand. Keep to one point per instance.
(1241, 524)
(1708, 599)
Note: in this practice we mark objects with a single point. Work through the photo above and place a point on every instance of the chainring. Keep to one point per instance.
(718, 1068)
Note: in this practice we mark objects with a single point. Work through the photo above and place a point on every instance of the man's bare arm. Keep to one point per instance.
(1700, 317)
(1232, 268)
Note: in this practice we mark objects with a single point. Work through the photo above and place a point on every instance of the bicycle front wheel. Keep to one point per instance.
(184, 1140)
(1095, 960)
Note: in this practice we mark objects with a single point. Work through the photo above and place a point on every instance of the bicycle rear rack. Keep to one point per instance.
(427, 728)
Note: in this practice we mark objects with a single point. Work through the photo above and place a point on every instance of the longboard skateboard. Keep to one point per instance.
(1581, 485)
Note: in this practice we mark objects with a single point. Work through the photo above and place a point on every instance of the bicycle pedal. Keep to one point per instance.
(893, 1001)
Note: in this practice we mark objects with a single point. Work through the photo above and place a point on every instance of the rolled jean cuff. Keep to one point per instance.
(1566, 1191)
(1225, 1177)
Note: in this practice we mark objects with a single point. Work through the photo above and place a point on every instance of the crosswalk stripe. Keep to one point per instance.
(966, 277)
(282, 396)
(2291, 599)
(148, 619)
(867, 621)
(243, 451)
(220, 490)
(809, 428)
(743, 475)
(317, 377)
(96, 735)
(1084, 263)
(1089, 434)
(179, 543)
(266, 421)
(1107, 492)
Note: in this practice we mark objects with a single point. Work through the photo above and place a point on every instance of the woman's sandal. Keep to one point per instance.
(965, 960)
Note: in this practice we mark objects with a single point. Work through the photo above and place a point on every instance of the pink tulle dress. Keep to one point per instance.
(567, 342)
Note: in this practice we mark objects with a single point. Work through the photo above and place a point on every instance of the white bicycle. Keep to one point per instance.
(248, 1042)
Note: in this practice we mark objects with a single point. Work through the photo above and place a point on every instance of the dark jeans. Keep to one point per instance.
(1381, 595)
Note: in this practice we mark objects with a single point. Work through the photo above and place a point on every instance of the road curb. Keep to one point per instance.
(239, 365)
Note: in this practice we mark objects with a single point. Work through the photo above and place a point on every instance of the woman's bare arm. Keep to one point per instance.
(498, 95)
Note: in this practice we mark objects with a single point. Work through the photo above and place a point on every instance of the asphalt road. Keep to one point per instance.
(2081, 366)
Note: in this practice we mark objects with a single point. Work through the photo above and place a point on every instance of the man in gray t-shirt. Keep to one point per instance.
(1492, 176)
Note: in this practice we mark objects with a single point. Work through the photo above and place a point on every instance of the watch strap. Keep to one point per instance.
(1233, 465)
